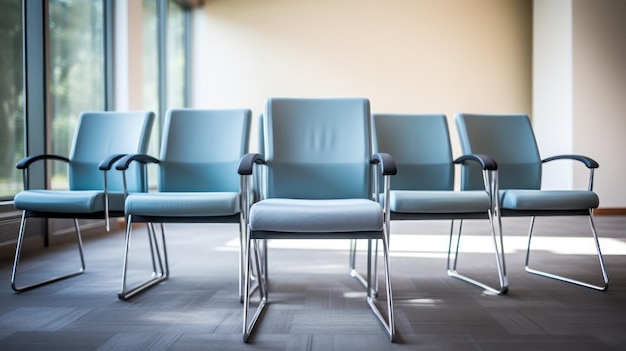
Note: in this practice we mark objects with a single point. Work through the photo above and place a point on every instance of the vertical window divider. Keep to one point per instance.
(162, 61)
(36, 92)
(109, 54)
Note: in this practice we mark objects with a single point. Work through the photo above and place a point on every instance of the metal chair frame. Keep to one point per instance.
(104, 166)
(255, 258)
(591, 165)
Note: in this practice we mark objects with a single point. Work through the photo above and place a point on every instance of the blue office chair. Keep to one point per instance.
(423, 188)
(316, 178)
(510, 140)
(94, 190)
(197, 183)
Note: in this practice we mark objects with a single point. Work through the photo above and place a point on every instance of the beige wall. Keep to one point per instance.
(406, 56)
(128, 56)
(553, 88)
(433, 56)
(579, 91)
(599, 70)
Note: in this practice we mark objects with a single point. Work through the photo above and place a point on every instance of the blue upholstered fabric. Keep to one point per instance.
(79, 201)
(201, 149)
(98, 135)
(521, 199)
(420, 146)
(317, 216)
(200, 152)
(101, 134)
(317, 148)
(189, 204)
(510, 140)
(318, 173)
(439, 201)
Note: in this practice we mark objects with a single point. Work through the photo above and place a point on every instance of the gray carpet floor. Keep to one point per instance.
(313, 302)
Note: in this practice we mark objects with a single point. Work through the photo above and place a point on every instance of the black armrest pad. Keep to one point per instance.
(108, 162)
(486, 162)
(246, 164)
(589, 163)
(27, 161)
(125, 161)
(386, 162)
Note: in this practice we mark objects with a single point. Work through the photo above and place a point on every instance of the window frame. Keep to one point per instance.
(36, 77)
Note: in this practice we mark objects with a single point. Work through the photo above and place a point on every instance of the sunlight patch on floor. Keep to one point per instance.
(425, 245)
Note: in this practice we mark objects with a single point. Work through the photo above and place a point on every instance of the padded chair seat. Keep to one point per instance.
(94, 191)
(524, 199)
(409, 201)
(183, 204)
(62, 201)
(316, 216)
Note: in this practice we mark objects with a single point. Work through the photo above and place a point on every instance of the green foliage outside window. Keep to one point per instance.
(11, 97)
(76, 72)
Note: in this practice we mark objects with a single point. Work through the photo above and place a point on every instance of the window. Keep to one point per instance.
(165, 26)
(56, 60)
(166, 51)
(68, 70)
(76, 44)
(11, 97)
(150, 61)
(177, 55)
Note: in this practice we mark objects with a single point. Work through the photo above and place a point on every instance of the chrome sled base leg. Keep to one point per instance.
(160, 265)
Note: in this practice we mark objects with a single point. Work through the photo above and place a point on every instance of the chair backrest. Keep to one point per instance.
(102, 134)
(260, 135)
(317, 148)
(510, 140)
(201, 149)
(420, 146)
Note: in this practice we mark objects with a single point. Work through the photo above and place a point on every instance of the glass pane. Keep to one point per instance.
(175, 81)
(11, 97)
(76, 72)
(150, 58)
(176, 55)
(150, 92)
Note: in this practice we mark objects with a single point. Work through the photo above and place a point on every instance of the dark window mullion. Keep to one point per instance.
(162, 61)
(109, 101)
(36, 79)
